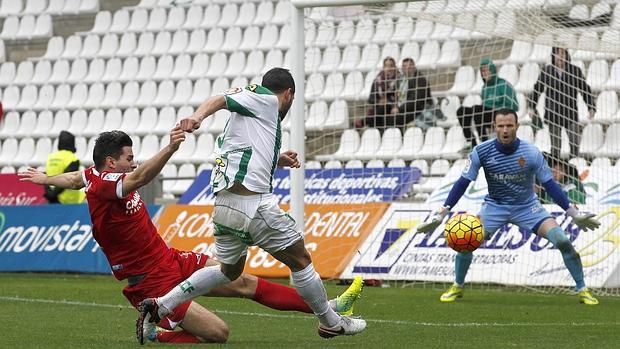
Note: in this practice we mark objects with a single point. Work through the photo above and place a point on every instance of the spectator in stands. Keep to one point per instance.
(63, 161)
(413, 95)
(496, 94)
(567, 176)
(561, 81)
(382, 99)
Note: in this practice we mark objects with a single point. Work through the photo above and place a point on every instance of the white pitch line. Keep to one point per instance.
(282, 316)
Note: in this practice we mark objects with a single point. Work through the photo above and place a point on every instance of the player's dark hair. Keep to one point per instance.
(110, 143)
(505, 111)
(278, 80)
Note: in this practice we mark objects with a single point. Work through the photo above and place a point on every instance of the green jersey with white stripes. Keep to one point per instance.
(248, 150)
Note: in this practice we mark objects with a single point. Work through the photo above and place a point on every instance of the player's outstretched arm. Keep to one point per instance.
(69, 180)
(583, 220)
(289, 159)
(435, 219)
(208, 107)
(151, 167)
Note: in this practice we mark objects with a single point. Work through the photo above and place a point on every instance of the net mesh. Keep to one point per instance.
(361, 116)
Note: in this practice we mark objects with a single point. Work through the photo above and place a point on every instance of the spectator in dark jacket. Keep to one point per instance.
(382, 99)
(562, 82)
(412, 96)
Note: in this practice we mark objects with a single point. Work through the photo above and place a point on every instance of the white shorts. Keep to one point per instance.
(242, 221)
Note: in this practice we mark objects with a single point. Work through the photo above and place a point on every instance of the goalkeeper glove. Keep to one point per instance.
(583, 220)
(434, 220)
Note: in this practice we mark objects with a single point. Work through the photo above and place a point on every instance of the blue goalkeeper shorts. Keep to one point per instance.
(529, 216)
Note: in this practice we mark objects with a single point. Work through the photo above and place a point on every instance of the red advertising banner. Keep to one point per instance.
(14, 193)
(333, 235)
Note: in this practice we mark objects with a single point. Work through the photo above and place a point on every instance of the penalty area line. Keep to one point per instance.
(306, 317)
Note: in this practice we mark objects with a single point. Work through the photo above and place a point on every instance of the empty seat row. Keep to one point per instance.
(27, 27)
(412, 145)
(53, 7)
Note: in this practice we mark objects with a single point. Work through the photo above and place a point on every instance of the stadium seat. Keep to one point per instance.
(163, 41)
(26, 125)
(33, 7)
(598, 74)
(463, 80)
(506, 24)
(164, 67)
(169, 171)
(613, 83)
(370, 58)
(123, 22)
(165, 92)
(264, 13)
(103, 22)
(217, 65)
(351, 56)
(182, 93)
(197, 41)
(79, 69)
(60, 72)
(210, 17)
(542, 140)
(611, 145)
(338, 116)
(450, 56)
(55, 47)
(282, 13)
(390, 49)
(526, 133)
(600, 162)
(109, 46)
(354, 163)
(130, 69)
(175, 19)
(45, 121)
(334, 85)
(403, 30)
(369, 145)
(43, 148)
(591, 140)
(10, 28)
(25, 152)
(439, 168)
(181, 185)
(184, 154)
(62, 95)
(230, 13)
(199, 66)
(7, 72)
(364, 31)
(42, 72)
(81, 146)
(113, 120)
(28, 97)
(25, 72)
(131, 90)
(455, 143)
(429, 55)
(312, 165)
(45, 98)
(268, 38)
(79, 94)
(353, 86)
(314, 86)
(236, 64)
(375, 163)
(95, 123)
(90, 47)
(201, 90)
(232, 40)
(149, 147)
(520, 52)
(345, 31)
(112, 71)
(203, 149)
(147, 68)
(588, 44)
(330, 60)
(325, 34)
(527, 78)
(95, 71)
(423, 30)
(79, 118)
(146, 42)
(384, 30)
(8, 151)
(148, 91)
(255, 64)
(332, 164)
(148, 120)
(316, 116)
(349, 143)
(396, 163)
(96, 93)
(422, 165)
(609, 40)
(510, 73)
(580, 163)
(412, 143)
(130, 120)
(180, 40)
(541, 51)
(434, 141)
(606, 107)
(579, 12)
(391, 143)
(284, 39)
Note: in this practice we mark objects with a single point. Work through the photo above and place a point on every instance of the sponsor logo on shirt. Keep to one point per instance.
(508, 177)
(112, 177)
(134, 204)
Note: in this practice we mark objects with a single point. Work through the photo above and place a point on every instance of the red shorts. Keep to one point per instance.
(165, 277)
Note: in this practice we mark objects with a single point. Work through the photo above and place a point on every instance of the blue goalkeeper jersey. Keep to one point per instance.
(509, 174)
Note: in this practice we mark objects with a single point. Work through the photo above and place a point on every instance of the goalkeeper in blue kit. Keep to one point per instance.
(510, 165)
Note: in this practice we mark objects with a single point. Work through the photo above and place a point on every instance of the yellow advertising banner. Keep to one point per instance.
(333, 234)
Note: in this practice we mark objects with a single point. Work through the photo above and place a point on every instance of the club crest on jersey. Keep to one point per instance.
(233, 90)
(112, 177)
(522, 162)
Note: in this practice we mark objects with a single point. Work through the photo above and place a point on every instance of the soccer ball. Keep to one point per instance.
(464, 232)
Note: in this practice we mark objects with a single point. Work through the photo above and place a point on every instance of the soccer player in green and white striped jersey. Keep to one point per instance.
(246, 212)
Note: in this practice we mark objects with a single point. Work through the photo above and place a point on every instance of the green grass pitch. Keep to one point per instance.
(88, 311)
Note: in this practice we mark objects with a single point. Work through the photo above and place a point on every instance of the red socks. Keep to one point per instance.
(279, 297)
(176, 337)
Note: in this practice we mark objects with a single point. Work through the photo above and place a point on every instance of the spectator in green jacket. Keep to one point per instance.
(497, 93)
(567, 176)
